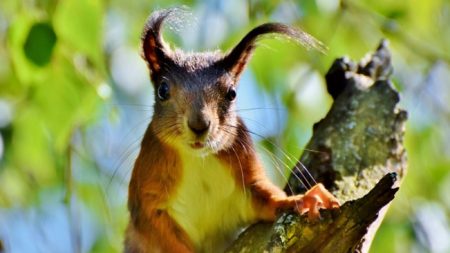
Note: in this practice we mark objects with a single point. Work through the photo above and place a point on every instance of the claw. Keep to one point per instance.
(318, 197)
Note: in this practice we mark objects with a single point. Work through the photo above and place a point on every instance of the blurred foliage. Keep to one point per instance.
(75, 99)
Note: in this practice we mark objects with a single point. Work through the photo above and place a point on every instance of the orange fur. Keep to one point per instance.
(155, 177)
(199, 95)
(246, 167)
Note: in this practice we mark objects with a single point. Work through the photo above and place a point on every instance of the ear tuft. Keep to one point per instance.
(154, 50)
(236, 60)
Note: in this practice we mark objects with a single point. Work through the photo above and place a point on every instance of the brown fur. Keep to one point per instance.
(242, 159)
(199, 84)
(153, 180)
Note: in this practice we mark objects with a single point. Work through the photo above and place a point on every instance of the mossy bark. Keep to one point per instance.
(358, 155)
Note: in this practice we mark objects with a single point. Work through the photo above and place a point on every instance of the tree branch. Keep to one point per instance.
(359, 142)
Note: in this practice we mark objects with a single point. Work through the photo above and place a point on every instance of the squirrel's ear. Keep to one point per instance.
(154, 50)
(236, 60)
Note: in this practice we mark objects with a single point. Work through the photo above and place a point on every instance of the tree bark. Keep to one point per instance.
(357, 153)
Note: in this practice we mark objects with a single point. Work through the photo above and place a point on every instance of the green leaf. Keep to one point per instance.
(31, 150)
(79, 24)
(40, 43)
(26, 71)
(65, 100)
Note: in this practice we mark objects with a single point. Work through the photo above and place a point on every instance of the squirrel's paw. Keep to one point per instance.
(316, 198)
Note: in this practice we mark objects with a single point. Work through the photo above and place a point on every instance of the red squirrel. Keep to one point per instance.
(197, 179)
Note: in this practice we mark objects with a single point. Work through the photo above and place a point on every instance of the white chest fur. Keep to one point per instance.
(208, 204)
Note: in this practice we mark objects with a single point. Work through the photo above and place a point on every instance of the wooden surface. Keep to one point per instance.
(358, 155)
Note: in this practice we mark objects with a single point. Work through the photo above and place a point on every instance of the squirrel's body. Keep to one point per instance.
(208, 202)
(197, 178)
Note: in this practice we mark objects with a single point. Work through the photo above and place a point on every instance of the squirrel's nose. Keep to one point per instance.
(199, 126)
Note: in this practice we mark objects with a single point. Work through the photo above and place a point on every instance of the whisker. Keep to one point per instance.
(259, 108)
(315, 151)
(290, 158)
(129, 150)
(168, 128)
(273, 157)
(290, 170)
(285, 155)
(242, 171)
(263, 126)
(131, 105)
(306, 170)
(124, 157)
(164, 132)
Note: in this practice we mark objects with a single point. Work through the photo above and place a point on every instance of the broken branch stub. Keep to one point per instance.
(357, 153)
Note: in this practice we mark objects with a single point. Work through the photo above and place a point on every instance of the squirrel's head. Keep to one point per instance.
(195, 93)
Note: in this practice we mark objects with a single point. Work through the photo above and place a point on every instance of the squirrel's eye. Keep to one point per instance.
(163, 91)
(231, 94)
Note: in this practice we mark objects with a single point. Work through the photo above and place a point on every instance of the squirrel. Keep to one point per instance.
(197, 179)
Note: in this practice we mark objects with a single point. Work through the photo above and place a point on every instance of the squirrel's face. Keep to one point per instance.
(195, 93)
(195, 102)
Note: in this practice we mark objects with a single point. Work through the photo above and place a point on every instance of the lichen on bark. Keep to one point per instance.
(358, 155)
